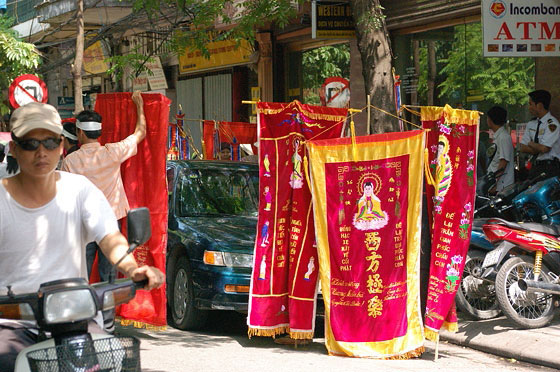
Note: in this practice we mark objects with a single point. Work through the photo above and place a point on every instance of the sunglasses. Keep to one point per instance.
(32, 144)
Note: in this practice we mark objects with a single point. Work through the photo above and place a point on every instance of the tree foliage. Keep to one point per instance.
(462, 71)
(321, 63)
(324, 62)
(16, 58)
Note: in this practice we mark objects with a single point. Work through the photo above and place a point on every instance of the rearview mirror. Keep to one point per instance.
(138, 226)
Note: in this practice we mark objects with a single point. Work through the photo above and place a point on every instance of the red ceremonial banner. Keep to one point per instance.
(243, 133)
(367, 203)
(285, 266)
(450, 190)
(144, 181)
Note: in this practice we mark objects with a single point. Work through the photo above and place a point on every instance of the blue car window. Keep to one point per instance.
(217, 192)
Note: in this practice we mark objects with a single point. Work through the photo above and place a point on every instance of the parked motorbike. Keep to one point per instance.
(476, 296)
(62, 310)
(527, 260)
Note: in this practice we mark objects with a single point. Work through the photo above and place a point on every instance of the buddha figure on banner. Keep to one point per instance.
(370, 216)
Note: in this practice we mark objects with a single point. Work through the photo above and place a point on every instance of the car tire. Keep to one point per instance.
(182, 312)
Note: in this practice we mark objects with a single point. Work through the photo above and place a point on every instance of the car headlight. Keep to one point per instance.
(229, 259)
(69, 306)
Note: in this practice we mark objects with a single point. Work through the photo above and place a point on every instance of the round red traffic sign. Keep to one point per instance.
(27, 88)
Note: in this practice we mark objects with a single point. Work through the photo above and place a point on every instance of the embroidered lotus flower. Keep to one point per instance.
(457, 259)
(444, 129)
(451, 271)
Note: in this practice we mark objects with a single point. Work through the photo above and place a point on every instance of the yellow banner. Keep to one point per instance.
(367, 206)
(222, 53)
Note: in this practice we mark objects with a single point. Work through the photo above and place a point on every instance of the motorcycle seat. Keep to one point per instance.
(528, 226)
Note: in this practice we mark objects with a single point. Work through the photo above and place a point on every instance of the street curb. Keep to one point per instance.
(499, 337)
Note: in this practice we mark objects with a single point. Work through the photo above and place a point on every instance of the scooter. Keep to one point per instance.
(527, 260)
(62, 310)
(476, 296)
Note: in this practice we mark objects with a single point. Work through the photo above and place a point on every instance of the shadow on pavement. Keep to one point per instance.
(223, 327)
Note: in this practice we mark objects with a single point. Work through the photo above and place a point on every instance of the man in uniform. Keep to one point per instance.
(542, 136)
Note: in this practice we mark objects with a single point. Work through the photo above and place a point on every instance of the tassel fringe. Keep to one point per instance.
(431, 335)
(451, 326)
(408, 355)
(411, 354)
(301, 335)
(138, 324)
(267, 332)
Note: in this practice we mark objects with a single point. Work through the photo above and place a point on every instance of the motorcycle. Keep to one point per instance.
(527, 281)
(62, 310)
(476, 295)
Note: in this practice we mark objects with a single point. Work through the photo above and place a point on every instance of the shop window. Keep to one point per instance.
(446, 66)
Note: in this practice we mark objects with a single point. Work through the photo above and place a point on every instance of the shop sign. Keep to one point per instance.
(521, 28)
(156, 79)
(409, 80)
(222, 53)
(140, 82)
(66, 102)
(94, 59)
(332, 20)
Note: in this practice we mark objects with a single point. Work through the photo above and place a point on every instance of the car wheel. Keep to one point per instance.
(182, 312)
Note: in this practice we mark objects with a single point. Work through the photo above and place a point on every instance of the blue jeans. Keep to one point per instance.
(103, 265)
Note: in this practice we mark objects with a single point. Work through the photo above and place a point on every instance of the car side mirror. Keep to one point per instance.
(138, 226)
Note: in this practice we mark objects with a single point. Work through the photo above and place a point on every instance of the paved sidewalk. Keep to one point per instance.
(500, 337)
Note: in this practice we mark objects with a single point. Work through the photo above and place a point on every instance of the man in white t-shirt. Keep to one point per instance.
(46, 219)
(502, 161)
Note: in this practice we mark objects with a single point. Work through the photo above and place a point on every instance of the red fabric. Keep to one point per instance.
(145, 184)
(244, 133)
(451, 149)
(284, 278)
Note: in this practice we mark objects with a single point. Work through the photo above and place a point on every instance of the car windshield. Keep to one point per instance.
(204, 192)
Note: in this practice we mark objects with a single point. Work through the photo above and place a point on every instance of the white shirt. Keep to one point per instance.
(3, 171)
(48, 243)
(504, 150)
(549, 135)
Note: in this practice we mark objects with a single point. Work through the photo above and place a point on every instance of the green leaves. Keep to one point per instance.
(462, 71)
(321, 63)
(16, 57)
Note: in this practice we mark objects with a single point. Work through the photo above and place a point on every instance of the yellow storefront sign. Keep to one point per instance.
(222, 53)
(94, 59)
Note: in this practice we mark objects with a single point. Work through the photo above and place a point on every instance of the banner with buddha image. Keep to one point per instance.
(367, 206)
(284, 279)
(450, 190)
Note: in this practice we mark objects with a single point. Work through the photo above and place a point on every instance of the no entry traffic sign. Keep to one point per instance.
(27, 88)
